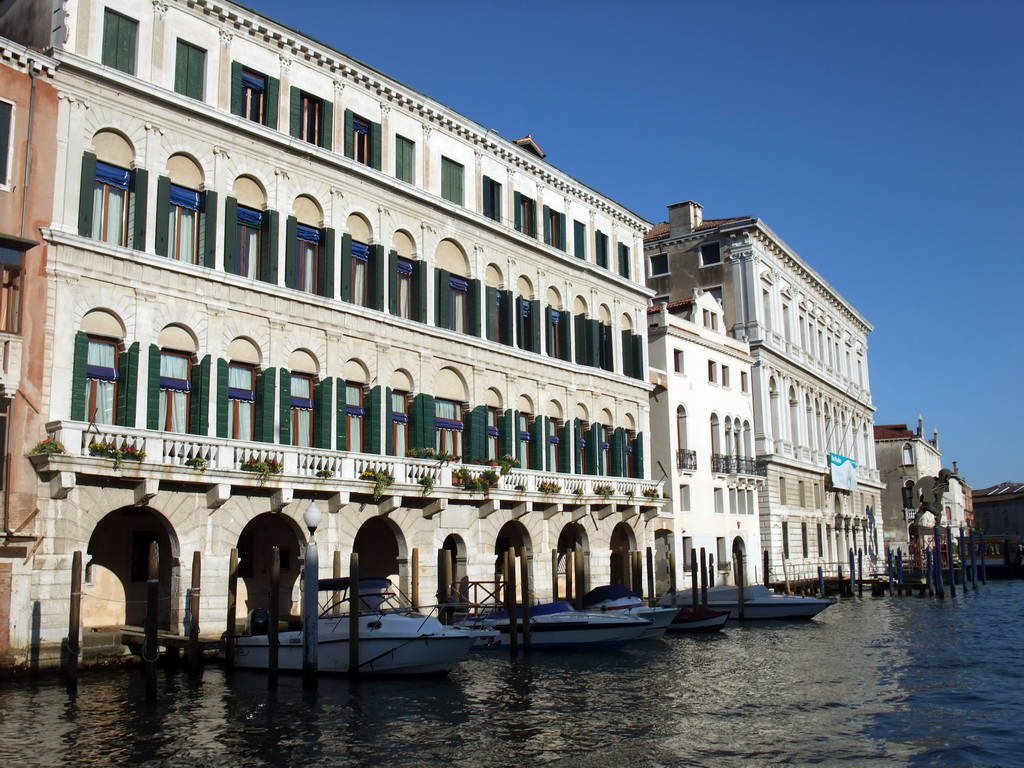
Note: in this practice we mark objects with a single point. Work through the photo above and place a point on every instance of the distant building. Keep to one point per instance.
(811, 393)
(904, 458)
(999, 509)
(704, 443)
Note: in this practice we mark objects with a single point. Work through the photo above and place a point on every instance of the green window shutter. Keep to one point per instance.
(451, 181)
(88, 184)
(265, 389)
(618, 449)
(422, 426)
(393, 282)
(350, 146)
(580, 323)
(476, 432)
(237, 95)
(473, 307)
(593, 449)
(189, 70)
(325, 272)
(443, 304)
(341, 436)
(639, 369)
(285, 406)
(375, 290)
(327, 124)
(323, 408)
(576, 447)
(565, 452)
(291, 253)
(601, 249)
(222, 399)
(127, 385)
(549, 332)
(208, 223)
(547, 225)
(491, 313)
(579, 232)
(79, 368)
(538, 438)
(623, 260)
(199, 416)
(230, 235)
(488, 202)
(561, 233)
(404, 159)
(389, 433)
(119, 36)
(419, 291)
(373, 420)
(268, 248)
(295, 113)
(565, 329)
(507, 437)
(271, 97)
(517, 202)
(538, 323)
(375, 153)
(638, 455)
(346, 267)
(508, 310)
(593, 343)
(140, 190)
(627, 353)
(153, 389)
(163, 207)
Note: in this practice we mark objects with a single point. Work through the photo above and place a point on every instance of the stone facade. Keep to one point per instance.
(705, 446)
(810, 387)
(277, 276)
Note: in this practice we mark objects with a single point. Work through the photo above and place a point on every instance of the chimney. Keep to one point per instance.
(920, 426)
(684, 218)
(935, 439)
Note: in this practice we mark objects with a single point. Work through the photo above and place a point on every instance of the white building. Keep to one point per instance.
(705, 444)
(812, 397)
(278, 276)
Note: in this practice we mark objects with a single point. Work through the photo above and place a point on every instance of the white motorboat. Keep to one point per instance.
(559, 625)
(759, 603)
(617, 597)
(393, 640)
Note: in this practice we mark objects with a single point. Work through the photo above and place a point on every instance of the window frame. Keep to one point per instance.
(355, 415)
(660, 272)
(166, 414)
(303, 411)
(714, 246)
(188, 82)
(7, 114)
(234, 404)
(12, 274)
(453, 181)
(405, 159)
(115, 47)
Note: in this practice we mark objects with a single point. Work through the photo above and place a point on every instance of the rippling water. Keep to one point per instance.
(879, 681)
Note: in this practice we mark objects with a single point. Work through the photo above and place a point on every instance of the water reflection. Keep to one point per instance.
(879, 681)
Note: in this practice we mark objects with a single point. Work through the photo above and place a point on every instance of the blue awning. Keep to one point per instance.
(459, 283)
(360, 251)
(178, 385)
(309, 234)
(112, 175)
(403, 267)
(302, 402)
(360, 126)
(241, 394)
(101, 372)
(183, 197)
(256, 83)
(448, 424)
(400, 417)
(250, 216)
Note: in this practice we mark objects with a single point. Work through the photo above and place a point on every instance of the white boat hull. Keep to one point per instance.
(386, 647)
(566, 630)
(760, 603)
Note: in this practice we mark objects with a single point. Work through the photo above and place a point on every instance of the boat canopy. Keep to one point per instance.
(544, 609)
(366, 586)
(609, 592)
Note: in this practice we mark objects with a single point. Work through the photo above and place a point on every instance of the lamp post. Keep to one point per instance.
(310, 579)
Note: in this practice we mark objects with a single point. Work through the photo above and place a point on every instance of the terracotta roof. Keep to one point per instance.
(673, 307)
(892, 432)
(663, 230)
(998, 493)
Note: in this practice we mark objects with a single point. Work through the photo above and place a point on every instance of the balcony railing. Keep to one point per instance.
(737, 465)
(686, 459)
(90, 449)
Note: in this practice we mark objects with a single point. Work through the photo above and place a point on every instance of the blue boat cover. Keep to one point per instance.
(609, 592)
(341, 584)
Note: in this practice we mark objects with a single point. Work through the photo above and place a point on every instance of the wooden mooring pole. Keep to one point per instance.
(231, 619)
(74, 645)
(554, 575)
(672, 577)
(650, 576)
(524, 572)
(415, 577)
(693, 578)
(150, 649)
(703, 577)
(273, 643)
(740, 582)
(353, 613)
(195, 651)
(510, 602)
(581, 577)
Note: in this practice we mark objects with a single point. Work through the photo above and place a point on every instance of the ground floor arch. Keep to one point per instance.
(256, 545)
(383, 552)
(623, 542)
(117, 569)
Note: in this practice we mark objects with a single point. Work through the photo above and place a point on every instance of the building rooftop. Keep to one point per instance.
(1002, 492)
(892, 432)
(663, 230)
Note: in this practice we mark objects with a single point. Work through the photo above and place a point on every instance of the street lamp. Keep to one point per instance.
(310, 573)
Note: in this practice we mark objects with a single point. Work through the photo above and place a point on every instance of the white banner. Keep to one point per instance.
(844, 472)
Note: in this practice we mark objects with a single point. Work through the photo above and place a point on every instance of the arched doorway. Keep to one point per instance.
(512, 536)
(623, 542)
(255, 560)
(382, 552)
(117, 570)
(663, 576)
(739, 558)
(455, 549)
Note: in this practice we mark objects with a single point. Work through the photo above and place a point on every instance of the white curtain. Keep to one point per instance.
(240, 412)
(174, 402)
(182, 229)
(100, 391)
(108, 212)
(307, 267)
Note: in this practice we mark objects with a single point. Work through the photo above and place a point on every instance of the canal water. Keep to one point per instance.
(871, 682)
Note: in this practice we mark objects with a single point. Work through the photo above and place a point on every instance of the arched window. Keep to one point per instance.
(908, 455)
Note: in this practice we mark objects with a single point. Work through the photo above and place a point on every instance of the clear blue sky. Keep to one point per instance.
(882, 139)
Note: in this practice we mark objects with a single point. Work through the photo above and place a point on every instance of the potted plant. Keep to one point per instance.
(262, 468)
(651, 493)
(604, 491)
(325, 474)
(47, 446)
(381, 479)
(427, 483)
(549, 488)
(119, 453)
(198, 463)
